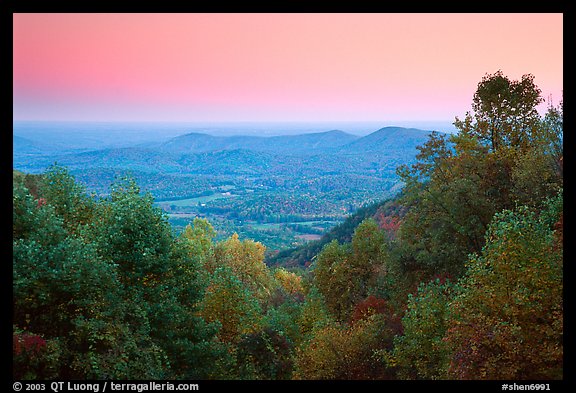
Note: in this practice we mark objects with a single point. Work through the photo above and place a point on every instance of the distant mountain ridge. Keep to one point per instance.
(194, 152)
(388, 138)
(199, 143)
(385, 139)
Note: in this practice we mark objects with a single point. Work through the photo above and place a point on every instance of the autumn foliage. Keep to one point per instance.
(460, 278)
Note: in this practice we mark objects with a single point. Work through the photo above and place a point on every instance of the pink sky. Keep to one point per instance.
(273, 67)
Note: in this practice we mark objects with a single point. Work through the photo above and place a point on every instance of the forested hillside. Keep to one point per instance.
(387, 214)
(458, 277)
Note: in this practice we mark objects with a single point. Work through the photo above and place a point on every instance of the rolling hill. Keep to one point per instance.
(304, 143)
(388, 139)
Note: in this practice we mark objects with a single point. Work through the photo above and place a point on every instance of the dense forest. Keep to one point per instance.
(458, 277)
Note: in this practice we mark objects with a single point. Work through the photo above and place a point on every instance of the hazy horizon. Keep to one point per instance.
(222, 128)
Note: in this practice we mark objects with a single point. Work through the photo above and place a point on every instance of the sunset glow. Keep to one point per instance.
(273, 67)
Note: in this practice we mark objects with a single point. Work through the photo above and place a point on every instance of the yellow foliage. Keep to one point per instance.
(290, 282)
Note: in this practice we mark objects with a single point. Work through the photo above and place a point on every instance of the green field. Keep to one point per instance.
(278, 226)
(197, 200)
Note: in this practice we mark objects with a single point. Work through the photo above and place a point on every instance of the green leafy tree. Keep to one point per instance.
(505, 113)
(59, 189)
(346, 273)
(284, 308)
(159, 275)
(133, 234)
(538, 170)
(189, 341)
(284, 319)
(199, 237)
(331, 278)
(506, 323)
(314, 314)
(230, 303)
(460, 181)
(421, 352)
(369, 257)
(65, 293)
(453, 191)
(452, 201)
(552, 135)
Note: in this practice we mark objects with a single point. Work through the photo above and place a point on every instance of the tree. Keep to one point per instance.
(453, 190)
(538, 171)
(421, 352)
(290, 282)
(505, 112)
(116, 296)
(188, 340)
(230, 303)
(199, 236)
(266, 354)
(346, 352)
(66, 294)
(552, 135)
(346, 273)
(59, 189)
(160, 275)
(331, 278)
(369, 255)
(134, 234)
(246, 261)
(506, 322)
(314, 314)
(460, 181)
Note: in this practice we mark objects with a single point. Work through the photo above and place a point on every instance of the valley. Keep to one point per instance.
(281, 190)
